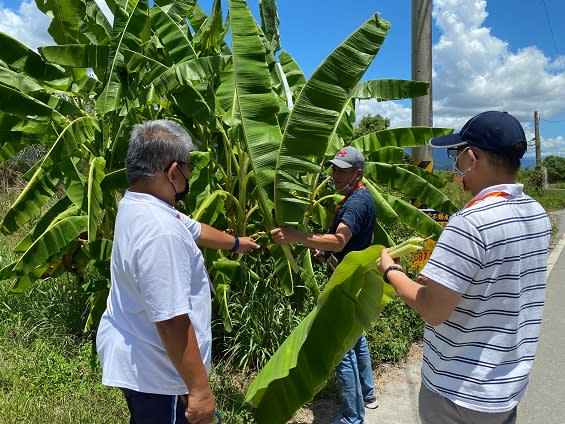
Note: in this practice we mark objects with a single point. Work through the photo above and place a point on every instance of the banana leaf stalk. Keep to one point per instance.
(351, 301)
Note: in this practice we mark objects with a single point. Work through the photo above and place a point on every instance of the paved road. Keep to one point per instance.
(544, 398)
(543, 403)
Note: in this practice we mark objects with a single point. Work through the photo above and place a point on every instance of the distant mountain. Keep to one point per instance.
(441, 161)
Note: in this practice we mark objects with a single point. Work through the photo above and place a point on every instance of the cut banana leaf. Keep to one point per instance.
(300, 367)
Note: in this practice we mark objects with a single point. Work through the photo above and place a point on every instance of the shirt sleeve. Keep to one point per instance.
(194, 227)
(458, 255)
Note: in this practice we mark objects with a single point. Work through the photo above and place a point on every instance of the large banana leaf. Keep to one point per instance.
(209, 37)
(256, 103)
(294, 75)
(39, 190)
(258, 110)
(50, 243)
(414, 217)
(388, 89)
(19, 57)
(77, 55)
(399, 137)
(412, 185)
(18, 81)
(131, 31)
(315, 116)
(174, 38)
(95, 196)
(66, 16)
(21, 105)
(61, 209)
(270, 23)
(302, 364)
(95, 26)
(43, 184)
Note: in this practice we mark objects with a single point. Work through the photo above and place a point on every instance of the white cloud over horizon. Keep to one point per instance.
(28, 24)
(474, 71)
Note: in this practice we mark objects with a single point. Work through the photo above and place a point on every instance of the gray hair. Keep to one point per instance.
(153, 146)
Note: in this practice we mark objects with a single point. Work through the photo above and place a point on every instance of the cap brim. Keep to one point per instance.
(447, 141)
(340, 163)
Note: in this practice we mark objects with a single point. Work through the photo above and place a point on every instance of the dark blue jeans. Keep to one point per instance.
(356, 384)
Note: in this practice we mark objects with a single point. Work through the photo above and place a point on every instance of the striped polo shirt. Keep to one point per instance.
(494, 252)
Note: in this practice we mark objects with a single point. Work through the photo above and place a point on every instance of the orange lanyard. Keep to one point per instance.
(493, 194)
(342, 201)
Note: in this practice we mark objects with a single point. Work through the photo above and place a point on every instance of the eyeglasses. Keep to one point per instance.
(452, 153)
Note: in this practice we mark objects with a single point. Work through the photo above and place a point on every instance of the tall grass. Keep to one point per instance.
(47, 371)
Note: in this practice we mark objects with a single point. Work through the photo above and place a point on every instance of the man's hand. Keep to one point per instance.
(200, 408)
(318, 254)
(386, 260)
(283, 235)
(247, 245)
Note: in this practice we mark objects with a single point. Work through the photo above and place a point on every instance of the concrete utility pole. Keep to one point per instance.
(422, 71)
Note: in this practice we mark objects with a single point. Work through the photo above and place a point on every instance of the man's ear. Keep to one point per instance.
(170, 173)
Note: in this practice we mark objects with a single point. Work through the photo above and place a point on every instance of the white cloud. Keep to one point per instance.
(475, 71)
(27, 25)
(399, 115)
(552, 146)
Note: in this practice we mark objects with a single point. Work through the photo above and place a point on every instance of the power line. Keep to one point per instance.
(552, 35)
(548, 120)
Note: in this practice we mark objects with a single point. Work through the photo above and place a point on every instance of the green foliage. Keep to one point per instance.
(394, 332)
(532, 178)
(551, 199)
(232, 102)
(370, 124)
(454, 191)
(555, 166)
(261, 316)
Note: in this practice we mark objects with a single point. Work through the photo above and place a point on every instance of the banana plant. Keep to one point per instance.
(261, 146)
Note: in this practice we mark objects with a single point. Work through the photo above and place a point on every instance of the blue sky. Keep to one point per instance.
(488, 54)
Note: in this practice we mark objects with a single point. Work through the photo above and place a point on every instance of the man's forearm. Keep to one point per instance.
(179, 340)
(214, 239)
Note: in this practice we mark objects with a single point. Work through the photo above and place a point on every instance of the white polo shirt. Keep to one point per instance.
(495, 254)
(157, 273)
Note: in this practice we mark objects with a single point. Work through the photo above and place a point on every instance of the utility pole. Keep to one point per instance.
(538, 150)
(538, 141)
(422, 71)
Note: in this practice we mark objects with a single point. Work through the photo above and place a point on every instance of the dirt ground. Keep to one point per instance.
(397, 386)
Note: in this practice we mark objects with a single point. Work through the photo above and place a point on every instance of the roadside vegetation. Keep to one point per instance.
(251, 110)
(49, 370)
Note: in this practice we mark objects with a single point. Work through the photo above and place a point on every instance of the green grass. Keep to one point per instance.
(47, 371)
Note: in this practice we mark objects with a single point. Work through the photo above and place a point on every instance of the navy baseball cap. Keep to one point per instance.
(493, 131)
(348, 157)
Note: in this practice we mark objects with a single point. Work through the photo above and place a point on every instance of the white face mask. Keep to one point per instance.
(347, 187)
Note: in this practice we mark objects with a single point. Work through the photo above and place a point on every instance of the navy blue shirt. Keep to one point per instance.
(358, 212)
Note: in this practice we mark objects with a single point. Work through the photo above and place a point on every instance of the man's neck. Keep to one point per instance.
(153, 188)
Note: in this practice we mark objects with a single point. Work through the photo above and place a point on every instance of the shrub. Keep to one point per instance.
(555, 166)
